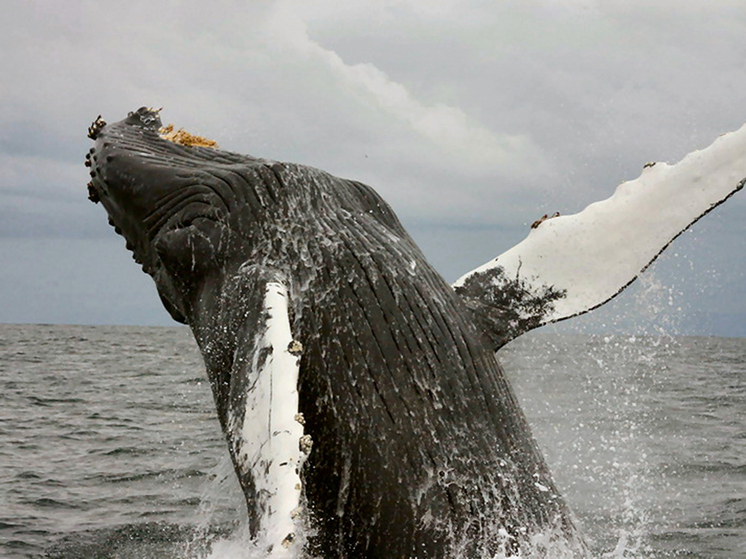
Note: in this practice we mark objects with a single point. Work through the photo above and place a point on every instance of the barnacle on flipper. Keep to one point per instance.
(543, 218)
(184, 138)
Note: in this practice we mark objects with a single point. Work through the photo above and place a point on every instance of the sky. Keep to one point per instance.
(471, 118)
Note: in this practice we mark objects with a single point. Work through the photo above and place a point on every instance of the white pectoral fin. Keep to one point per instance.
(572, 264)
(270, 440)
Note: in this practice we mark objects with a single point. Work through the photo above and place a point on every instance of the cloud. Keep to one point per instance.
(471, 118)
(441, 105)
(478, 150)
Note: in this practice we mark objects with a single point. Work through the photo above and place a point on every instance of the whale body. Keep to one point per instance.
(363, 406)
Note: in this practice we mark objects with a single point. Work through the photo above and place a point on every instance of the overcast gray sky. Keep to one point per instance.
(471, 118)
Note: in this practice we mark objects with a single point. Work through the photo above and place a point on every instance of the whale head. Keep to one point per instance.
(177, 219)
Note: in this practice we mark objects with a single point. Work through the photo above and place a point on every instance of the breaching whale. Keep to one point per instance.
(364, 408)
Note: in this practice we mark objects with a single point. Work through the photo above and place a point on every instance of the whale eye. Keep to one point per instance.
(188, 252)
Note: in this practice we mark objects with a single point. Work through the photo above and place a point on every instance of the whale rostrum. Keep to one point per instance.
(364, 409)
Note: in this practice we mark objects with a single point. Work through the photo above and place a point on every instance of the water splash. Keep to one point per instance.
(592, 402)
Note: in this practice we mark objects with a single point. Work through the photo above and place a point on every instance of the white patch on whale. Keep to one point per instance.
(593, 255)
(272, 444)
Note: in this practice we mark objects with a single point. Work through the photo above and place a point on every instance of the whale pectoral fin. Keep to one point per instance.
(264, 428)
(573, 264)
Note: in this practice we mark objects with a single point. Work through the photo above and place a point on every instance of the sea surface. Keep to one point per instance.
(110, 447)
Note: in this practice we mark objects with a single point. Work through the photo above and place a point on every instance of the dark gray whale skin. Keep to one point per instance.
(419, 446)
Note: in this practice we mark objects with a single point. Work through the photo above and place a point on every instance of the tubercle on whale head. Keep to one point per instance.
(147, 117)
(175, 225)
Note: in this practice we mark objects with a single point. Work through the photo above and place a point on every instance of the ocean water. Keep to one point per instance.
(109, 444)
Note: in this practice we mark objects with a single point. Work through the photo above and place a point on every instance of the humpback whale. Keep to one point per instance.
(363, 406)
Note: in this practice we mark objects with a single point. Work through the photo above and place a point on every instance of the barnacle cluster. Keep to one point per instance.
(184, 138)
